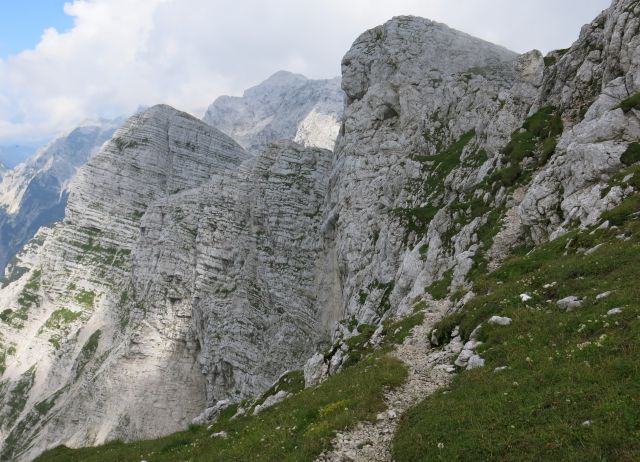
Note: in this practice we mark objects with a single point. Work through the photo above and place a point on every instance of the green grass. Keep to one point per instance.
(563, 368)
(59, 322)
(28, 299)
(537, 139)
(17, 398)
(633, 102)
(436, 169)
(85, 298)
(440, 288)
(88, 351)
(60, 318)
(631, 155)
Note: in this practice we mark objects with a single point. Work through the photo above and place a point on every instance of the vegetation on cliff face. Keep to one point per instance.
(571, 384)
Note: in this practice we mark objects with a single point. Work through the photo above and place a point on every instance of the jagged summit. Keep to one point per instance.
(285, 106)
(409, 46)
(157, 152)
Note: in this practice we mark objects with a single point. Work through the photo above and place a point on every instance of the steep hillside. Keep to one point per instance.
(285, 106)
(34, 194)
(206, 275)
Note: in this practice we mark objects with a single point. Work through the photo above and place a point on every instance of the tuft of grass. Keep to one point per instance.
(572, 386)
(631, 155)
(87, 352)
(86, 298)
(28, 299)
(61, 318)
(437, 168)
(633, 102)
(440, 289)
(17, 398)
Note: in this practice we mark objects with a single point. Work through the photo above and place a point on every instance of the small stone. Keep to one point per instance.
(525, 297)
(434, 338)
(587, 423)
(593, 249)
(549, 286)
(501, 368)
(475, 332)
(500, 320)
(475, 362)
(472, 345)
(220, 434)
(463, 358)
(569, 303)
(603, 295)
(613, 311)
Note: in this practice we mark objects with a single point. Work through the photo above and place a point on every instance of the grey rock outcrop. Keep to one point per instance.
(285, 106)
(587, 82)
(82, 337)
(193, 271)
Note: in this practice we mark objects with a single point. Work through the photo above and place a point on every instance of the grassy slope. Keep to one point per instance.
(564, 368)
(298, 429)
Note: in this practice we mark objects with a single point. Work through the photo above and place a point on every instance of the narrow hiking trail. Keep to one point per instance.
(429, 370)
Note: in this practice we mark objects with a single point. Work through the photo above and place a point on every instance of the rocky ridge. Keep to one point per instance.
(73, 314)
(435, 174)
(285, 106)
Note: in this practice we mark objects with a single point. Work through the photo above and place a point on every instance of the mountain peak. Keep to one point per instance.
(409, 46)
(285, 106)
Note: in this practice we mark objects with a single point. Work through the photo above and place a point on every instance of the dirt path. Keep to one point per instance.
(428, 370)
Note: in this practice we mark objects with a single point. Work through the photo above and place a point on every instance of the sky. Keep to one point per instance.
(62, 63)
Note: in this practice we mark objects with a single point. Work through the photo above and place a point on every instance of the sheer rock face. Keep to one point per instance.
(588, 81)
(194, 272)
(285, 106)
(76, 329)
(34, 194)
(407, 101)
(238, 254)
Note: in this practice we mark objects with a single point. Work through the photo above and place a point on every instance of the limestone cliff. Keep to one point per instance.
(74, 333)
(188, 271)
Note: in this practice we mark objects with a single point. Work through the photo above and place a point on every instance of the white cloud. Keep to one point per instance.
(121, 54)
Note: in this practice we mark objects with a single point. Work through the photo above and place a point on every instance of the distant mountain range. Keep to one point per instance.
(285, 106)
